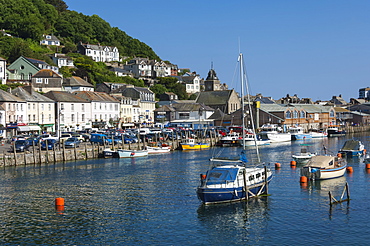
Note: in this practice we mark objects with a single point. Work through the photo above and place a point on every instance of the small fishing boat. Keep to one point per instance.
(158, 150)
(303, 157)
(335, 131)
(230, 139)
(324, 167)
(124, 153)
(352, 148)
(274, 133)
(318, 133)
(251, 139)
(297, 133)
(190, 144)
(108, 153)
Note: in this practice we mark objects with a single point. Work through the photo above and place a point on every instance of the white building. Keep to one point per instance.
(73, 113)
(2, 71)
(105, 109)
(99, 53)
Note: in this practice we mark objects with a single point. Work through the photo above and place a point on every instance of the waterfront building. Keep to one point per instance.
(47, 80)
(75, 83)
(72, 112)
(226, 100)
(40, 110)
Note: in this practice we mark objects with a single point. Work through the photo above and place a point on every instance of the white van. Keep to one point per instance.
(144, 131)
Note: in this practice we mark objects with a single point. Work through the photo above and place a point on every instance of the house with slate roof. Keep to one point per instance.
(14, 114)
(62, 60)
(105, 109)
(338, 101)
(49, 40)
(21, 69)
(187, 115)
(146, 102)
(40, 110)
(191, 82)
(47, 80)
(75, 83)
(226, 100)
(99, 53)
(72, 112)
(109, 87)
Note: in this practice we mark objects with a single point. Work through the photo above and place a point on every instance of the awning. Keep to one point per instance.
(28, 128)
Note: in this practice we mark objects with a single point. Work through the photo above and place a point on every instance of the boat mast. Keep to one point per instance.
(243, 76)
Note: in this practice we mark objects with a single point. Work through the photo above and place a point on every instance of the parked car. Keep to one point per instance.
(79, 136)
(72, 142)
(33, 140)
(100, 139)
(64, 137)
(21, 145)
(49, 144)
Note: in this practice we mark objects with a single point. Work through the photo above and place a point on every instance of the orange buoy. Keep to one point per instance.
(349, 170)
(59, 201)
(364, 151)
(368, 166)
(293, 163)
(339, 155)
(303, 179)
(203, 176)
(277, 165)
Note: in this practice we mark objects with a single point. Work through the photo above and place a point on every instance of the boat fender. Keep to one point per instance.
(203, 176)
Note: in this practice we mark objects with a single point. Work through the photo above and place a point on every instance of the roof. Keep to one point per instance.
(35, 61)
(46, 73)
(312, 108)
(188, 107)
(30, 96)
(341, 110)
(320, 161)
(214, 97)
(76, 81)
(64, 96)
(8, 97)
(94, 96)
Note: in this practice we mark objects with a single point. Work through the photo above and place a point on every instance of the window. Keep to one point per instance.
(49, 107)
(295, 114)
(46, 81)
(83, 107)
(38, 80)
(72, 117)
(288, 114)
(33, 106)
(72, 107)
(42, 106)
(34, 117)
(303, 114)
(332, 114)
(62, 106)
(82, 117)
(29, 105)
(29, 117)
(50, 117)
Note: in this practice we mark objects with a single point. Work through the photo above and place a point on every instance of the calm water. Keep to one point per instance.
(152, 201)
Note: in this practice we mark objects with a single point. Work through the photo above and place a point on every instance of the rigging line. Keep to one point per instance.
(245, 77)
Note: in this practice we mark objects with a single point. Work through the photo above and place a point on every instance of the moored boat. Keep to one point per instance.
(318, 134)
(352, 148)
(190, 144)
(230, 180)
(158, 150)
(335, 131)
(230, 139)
(303, 157)
(124, 153)
(274, 133)
(324, 167)
(108, 153)
(297, 133)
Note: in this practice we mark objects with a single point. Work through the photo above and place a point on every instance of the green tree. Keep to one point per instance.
(158, 89)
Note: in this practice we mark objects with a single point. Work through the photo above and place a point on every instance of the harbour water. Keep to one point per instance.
(152, 201)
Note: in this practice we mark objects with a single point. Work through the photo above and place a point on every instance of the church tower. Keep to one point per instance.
(212, 83)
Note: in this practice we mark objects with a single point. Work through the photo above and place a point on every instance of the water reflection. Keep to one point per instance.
(243, 221)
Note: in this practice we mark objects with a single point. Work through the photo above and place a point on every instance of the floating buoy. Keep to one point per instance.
(203, 176)
(349, 170)
(293, 163)
(339, 155)
(59, 201)
(303, 179)
(368, 166)
(364, 151)
(277, 165)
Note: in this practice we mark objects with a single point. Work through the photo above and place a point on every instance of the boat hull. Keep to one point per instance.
(198, 146)
(131, 153)
(324, 173)
(158, 150)
(301, 136)
(224, 195)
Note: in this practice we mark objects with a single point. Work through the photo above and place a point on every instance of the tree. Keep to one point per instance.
(158, 89)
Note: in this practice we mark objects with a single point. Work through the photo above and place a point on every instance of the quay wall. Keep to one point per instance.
(86, 151)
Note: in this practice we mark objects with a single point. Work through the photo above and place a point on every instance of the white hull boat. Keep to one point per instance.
(158, 150)
(123, 153)
(324, 167)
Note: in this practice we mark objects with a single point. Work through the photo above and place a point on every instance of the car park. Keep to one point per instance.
(98, 138)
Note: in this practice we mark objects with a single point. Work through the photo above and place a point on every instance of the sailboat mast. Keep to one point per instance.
(243, 76)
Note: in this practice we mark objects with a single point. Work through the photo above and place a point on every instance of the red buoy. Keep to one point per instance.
(293, 163)
(59, 201)
(277, 165)
(303, 179)
(349, 170)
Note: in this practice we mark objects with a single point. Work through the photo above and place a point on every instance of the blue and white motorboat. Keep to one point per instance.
(352, 148)
(297, 133)
(230, 180)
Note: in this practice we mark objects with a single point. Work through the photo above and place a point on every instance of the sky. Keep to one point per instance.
(315, 49)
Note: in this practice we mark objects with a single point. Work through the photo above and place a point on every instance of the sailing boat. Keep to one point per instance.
(230, 180)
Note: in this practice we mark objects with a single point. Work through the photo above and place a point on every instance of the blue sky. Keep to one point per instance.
(316, 49)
